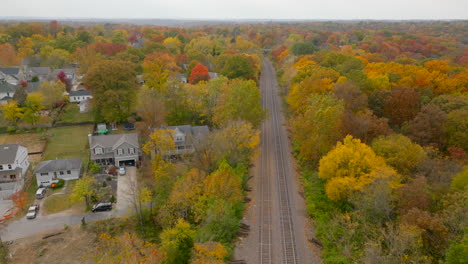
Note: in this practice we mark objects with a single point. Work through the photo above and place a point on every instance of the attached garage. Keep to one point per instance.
(127, 163)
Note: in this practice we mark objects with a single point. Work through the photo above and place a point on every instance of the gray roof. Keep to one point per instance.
(58, 165)
(10, 70)
(8, 153)
(113, 141)
(39, 70)
(33, 86)
(66, 71)
(192, 131)
(213, 75)
(6, 87)
(80, 93)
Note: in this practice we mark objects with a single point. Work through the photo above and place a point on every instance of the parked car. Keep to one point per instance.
(32, 211)
(128, 126)
(40, 193)
(122, 171)
(102, 207)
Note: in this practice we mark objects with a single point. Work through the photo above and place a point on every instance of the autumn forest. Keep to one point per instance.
(377, 116)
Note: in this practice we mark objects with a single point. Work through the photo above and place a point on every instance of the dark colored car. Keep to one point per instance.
(102, 207)
(128, 126)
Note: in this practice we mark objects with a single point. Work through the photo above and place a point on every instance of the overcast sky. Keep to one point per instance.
(238, 9)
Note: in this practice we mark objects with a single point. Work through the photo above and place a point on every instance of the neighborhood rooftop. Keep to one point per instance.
(113, 141)
(10, 70)
(80, 93)
(8, 153)
(58, 165)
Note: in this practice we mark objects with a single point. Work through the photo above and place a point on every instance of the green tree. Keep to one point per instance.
(240, 100)
(120, 36)
(302, 48)
(237, 66)
(318, 128)
(83, 190)
(457, 253)
(52, 92)
(114, 87)
(177, 243)
(456, 128)
(399, 152)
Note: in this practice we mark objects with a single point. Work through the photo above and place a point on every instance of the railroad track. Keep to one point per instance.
(264, 207)
(288, 245)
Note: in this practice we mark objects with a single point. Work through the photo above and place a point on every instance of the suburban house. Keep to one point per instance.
(186, 137)
(79, 96)
(11, 74)
(7, 90)
(182, 77)
(213, 75)
(42, 73)
(70, 74)
(13, 166)
(50, 171)
(115, 149)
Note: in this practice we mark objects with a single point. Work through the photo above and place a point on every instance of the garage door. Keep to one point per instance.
(126, 163)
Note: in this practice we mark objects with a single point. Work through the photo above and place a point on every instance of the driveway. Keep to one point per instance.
(27, 227)
(126, 186)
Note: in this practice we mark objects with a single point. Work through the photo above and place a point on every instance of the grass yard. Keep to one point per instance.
(71, 114)
(68, 142)
(60, 202)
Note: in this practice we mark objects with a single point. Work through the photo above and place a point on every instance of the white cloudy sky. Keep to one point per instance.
(228, 9)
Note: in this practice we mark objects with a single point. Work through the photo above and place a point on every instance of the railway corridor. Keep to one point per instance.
(277, 217)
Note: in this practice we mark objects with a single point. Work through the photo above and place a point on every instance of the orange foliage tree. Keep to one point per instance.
(199, 73)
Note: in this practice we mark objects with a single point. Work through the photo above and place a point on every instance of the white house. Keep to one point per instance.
(7, 90)
(117, 149)
(50, 171)
(79, 96)
(186, 137)
(13, 166)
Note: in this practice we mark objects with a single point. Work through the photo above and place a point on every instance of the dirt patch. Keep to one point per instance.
(74, 245)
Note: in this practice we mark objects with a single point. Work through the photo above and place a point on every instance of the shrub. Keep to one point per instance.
(58, 185)
(94, 168)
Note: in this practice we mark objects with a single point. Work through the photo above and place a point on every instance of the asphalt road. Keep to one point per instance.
(277, 216)
(27, 227)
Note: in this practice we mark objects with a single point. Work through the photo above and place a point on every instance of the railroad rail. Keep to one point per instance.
(270, 101)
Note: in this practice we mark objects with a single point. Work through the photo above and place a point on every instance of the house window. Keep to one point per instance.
(98, 151)
(62, 173)
(131, 150)
(13, 176)
(119, 151)
(1, 167)
(9, 166)
(178, 138)
(44, 174)
(68, 172)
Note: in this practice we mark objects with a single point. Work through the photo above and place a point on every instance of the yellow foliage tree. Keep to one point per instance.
(351, 166)
(224, 184)
(208, 253)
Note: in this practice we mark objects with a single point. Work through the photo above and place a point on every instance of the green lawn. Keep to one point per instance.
(71, 114)
(60, 202)
(68, 142)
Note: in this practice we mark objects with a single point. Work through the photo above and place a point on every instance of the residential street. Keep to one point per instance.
(26, 227)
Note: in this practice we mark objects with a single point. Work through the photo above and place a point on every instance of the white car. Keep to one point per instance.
(32, 211)
(122, 171)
